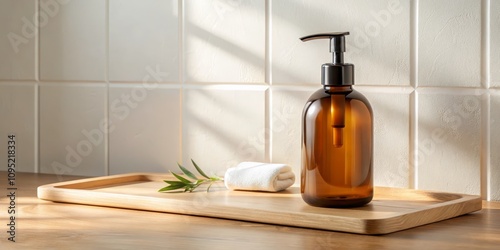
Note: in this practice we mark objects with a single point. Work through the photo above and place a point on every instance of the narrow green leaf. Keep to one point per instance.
(184, 180)
(173, 182)
(199, 169)
(179, 184)
(168, 188)
(171, 187)
(208, 189)
(187, 172)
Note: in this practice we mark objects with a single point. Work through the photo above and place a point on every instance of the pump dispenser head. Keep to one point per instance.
(336, 73)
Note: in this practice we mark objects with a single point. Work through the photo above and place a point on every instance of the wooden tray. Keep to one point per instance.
(392, 209)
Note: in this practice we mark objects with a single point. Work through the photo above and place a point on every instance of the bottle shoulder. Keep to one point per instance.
(350, 95)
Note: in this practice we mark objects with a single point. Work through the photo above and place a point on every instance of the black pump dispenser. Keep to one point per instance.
(336, 73)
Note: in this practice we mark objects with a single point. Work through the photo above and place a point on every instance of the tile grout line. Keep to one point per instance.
(268, 42)
(268, 79)
(37, 41)
(485, 164)
(268, 157)
(36, 107)
(180, 32)
(37, 131)
(485, 167)
(413, 168)
(106, 96)
(413, 171)
(485, 43)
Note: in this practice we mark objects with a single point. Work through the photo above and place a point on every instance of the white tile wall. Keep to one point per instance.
(17, 43)
(144, 128)
(73, 41)
(136, 42)
(379, 39)
(223, 125)
(449, 44)
(17, 108)
(224, 41)
(449, 137)
(286, 116)
(391, 112)
(72, 129)
(233, 78)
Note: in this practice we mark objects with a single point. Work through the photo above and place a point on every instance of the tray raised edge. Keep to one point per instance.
(74, 192)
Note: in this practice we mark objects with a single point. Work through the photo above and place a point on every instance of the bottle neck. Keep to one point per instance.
(337, 58)
(338, 89)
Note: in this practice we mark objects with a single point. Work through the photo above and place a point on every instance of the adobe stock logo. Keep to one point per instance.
(451, 120)
(30, 28)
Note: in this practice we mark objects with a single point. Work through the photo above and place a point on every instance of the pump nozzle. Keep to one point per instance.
(337, 44)
(337, 72)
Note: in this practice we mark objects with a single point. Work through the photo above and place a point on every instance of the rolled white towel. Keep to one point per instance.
(257, 176)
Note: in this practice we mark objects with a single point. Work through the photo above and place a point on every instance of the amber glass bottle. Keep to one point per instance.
(337, 137)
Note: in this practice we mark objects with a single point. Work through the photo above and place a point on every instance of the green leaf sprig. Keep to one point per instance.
(190, 185)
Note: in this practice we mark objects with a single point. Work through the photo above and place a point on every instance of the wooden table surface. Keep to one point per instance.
(48, 225)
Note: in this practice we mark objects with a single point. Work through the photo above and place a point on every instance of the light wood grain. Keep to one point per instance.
(391, 210)
(48, 225)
